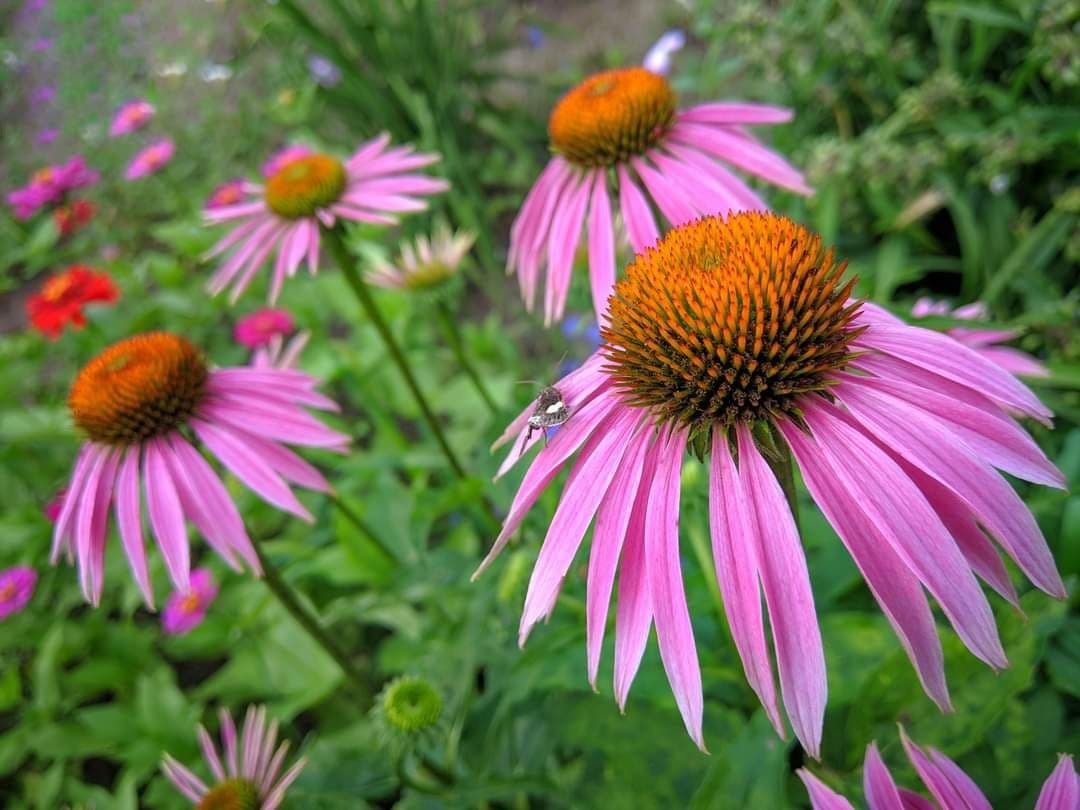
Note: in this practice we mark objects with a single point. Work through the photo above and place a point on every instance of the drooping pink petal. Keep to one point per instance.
(743, 152)
(562, 246)
(612, 526)
(710, 168)
(709, 197)
(166, 515)
(674, 632)
(283, 423)
(83, 521)
(735, 112)
(1014, 361)
(878, 785)
(1061, 791)
(894, 504)
(588, 482)
(63, 527)
(949, 785)
(640, 224)
(601, 246)
(895, 588)
(672, 200)
(800, 658)
(734, 546)
(95, 560)
(129, 521)
(536, 251)
(823, 797)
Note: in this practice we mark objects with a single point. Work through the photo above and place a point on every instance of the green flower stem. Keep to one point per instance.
(365, 528)
(453, 337)
(295, 608)
(337, 247)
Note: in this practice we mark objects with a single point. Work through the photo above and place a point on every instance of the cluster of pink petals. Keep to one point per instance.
(184, 611)
(50, 185)
(951, 788)
(900, 458)
(284, 156)
(16, 588)
(228, 193)
(246, 418)
(251, 757)
(985, 341)
(150, 159)
(683, 175)
(380, 182)
(132, 115)
(260, 327)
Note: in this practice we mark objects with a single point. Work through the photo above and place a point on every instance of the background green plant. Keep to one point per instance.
(942, 140)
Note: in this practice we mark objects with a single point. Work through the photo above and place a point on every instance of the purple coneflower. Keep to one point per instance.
(151, 159)
(619, 133)
(738, 339)
(951, 788)
(425, 263)
(131, 116)
(286, 154)
(985, 341)
(285, 214)
(246, 773)
(16, 588)
(185, 610)
(145, 404)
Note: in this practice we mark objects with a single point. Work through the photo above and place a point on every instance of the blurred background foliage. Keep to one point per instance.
(942, 138)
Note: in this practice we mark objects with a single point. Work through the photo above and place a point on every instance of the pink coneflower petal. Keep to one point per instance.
(881, 791)
(274, 766)
(1061, 791)
(277, 795)
(66, 519)
(210, 754)
(949, 785)
(601, 246)
(228, 742)
(739, 112)
(742, 152)
(166, 514)
(735, 555)
(562, 245)
(129, 521)
(821, 796)
(674, 204)
(1014, 361)
(640, 225)
(185, 781)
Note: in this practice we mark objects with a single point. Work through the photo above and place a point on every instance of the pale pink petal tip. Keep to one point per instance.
(1061, 791)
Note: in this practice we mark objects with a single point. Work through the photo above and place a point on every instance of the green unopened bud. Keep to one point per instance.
(411, 704)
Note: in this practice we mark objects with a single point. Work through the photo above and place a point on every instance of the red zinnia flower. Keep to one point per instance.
(73, 216)
(63, 296)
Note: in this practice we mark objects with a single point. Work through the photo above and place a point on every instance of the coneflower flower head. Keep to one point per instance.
(739, 340)
(424, 263)
(623, 127)
(140, 404)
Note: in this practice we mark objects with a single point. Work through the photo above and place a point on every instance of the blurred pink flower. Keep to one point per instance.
(985, 341)
(285, 215)
(258, 328)
(951, 788)
(287, 154)
(150, 159)
(16, 588)
(131, 116)
(53, 507)
(228, 193)
(50, 185)
(184, 611)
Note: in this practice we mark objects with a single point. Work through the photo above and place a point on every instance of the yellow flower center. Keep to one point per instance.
(45, 175)
(56, 287)
(190, 603)
(232, 794)
(141, 387)
(611, 116)
(303, 186)
(729, 320)
(7, 590)
(428, 275)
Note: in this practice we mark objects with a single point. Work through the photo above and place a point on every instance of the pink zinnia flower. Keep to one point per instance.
(258, 328)
(619, 133)
(247, 774)
(131, 116)
(738, 340)
(283, 156)
(141, 403)
(951, 788)
(313, 191)
(150, 159)
(16, 588)
(228, 193)
(50, 185)
(985, 341)
(186, 610)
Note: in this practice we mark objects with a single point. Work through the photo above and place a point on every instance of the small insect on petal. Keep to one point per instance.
(551, 411)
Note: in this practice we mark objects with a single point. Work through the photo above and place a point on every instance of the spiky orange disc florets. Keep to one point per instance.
(138, 388)
(729, 320)
(304, 185)
(611, 116)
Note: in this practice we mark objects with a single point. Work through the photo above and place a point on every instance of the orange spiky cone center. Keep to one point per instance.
(141, 387)
(729, 320)
(304, 185)
(611, 116)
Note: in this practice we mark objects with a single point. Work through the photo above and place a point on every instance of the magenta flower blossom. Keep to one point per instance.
(258, 328)
(285, 215)
(53, 507)
(16, 588)
(287, 154)
(246, 773)
(50, 185)
(186, 610)
(738, 340)
(145, 404)
(132, 115)
(150, 159)
(986, 342)
(228, 193)
(619, 133)
(951, 788)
